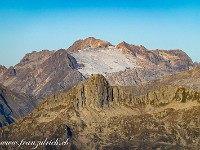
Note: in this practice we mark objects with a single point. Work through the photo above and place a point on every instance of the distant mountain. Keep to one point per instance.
(99, 116)
(127, 64)
(14, 106)
(42, 73)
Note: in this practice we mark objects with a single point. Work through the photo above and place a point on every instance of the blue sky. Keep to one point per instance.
(33, 25)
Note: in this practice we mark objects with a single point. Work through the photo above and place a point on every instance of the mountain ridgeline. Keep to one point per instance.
(46, 72)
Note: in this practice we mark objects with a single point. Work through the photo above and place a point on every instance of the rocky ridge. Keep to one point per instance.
(42, 73)
(104, 117)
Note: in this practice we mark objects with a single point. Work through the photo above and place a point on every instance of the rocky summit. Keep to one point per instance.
(90, 42)
(95, 115)
(2, 69)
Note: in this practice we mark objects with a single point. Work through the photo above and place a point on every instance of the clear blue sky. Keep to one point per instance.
(33, 25)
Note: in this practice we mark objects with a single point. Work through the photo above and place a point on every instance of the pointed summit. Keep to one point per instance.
(97, 79)
(88, 42)
(34, 56)
(129, 48)
(2, 69)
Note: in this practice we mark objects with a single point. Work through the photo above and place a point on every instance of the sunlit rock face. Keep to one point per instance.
(90, 42)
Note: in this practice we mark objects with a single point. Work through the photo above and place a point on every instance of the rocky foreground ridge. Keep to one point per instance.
(100, 116)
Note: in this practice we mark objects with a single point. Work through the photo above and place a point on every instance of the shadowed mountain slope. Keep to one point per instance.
(14, 106)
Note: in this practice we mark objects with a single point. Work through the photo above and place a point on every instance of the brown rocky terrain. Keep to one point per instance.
(103, 117)
(14, 106)
(42, 73)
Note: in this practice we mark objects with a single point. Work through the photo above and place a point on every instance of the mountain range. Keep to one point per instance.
(43, 73)
(109, 97)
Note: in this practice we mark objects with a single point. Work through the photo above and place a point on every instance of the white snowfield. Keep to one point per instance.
(103, 60)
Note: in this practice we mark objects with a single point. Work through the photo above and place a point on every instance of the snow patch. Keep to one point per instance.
(103, 60)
